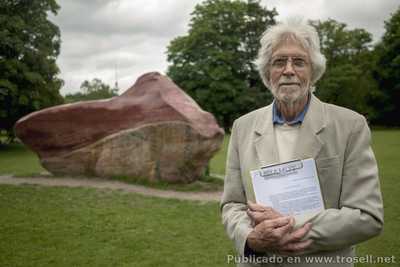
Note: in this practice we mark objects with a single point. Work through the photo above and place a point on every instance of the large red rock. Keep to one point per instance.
(153, 130)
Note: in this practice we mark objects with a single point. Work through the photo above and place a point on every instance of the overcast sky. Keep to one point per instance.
(123, 39)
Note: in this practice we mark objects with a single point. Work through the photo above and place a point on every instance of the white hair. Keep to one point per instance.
(299, 30)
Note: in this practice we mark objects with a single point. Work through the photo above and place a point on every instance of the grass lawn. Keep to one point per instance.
(18, 160)
(386, 145)
(42, 226)
(82, 227)
(217, 163)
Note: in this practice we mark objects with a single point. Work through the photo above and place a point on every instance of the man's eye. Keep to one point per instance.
(279, 62)
(299, 62)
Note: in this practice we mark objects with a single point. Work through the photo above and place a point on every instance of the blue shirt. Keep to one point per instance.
(278, 119)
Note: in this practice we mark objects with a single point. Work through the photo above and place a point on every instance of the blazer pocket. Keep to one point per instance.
(327, 162)
(329, 174)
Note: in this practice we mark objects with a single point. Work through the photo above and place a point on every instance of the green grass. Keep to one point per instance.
(44, 226)
(17, 159)
(81, 227)
(217, 163)
(386, 145)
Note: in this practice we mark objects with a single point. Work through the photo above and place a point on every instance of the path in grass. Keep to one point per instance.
(107, 184)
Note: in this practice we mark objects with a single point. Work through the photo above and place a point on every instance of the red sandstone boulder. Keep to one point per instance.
(153, 130)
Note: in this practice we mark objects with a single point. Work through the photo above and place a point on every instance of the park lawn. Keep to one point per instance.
(16, 159)
(56, 226)
(386, 145)
(217, 163)
(31, 235)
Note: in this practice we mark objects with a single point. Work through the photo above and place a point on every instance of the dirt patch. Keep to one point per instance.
(107, 184)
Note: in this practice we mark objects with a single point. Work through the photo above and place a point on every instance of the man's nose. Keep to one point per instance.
(288, 70)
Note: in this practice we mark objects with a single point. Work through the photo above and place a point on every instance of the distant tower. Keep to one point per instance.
(116, 78)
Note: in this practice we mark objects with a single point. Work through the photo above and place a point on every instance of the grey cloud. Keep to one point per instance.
(99, 36)
(366, 14)
(78, 44)
(369, 15)
(123, 17)
(131, 36)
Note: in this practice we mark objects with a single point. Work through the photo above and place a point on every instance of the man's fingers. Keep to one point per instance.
(265, 213)
(297, 235)
(256, 217)
(256, 207)
(278, 222)
(301, 232)
(260, 208)
(284, 230)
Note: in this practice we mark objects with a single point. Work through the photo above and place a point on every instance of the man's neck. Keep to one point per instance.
(289, 111)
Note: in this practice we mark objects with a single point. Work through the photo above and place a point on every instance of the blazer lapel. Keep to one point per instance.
(309, 141)
(264, 141)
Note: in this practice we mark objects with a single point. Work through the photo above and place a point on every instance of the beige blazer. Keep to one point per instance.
(339, 140)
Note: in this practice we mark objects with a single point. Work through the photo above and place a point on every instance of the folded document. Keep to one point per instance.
(292, 188)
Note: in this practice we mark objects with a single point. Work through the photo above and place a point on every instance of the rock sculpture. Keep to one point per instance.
(152, 131)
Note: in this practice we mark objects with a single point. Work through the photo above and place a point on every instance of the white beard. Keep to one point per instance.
(289, 94)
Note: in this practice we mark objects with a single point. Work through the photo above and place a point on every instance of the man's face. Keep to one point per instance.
(290, 72)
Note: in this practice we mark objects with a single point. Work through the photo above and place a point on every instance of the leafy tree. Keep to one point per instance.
(213, 62)
(348, 79)
(92, 90)
(29, 46)
(387, 71)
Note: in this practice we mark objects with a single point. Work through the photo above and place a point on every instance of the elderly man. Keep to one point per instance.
(298, 126)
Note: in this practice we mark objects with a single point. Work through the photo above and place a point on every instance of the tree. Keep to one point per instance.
(29, 46)
(348, 79)
(93, 90)
(387, 71)
(213, 62)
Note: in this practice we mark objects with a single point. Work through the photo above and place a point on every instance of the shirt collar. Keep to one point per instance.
(278, 119)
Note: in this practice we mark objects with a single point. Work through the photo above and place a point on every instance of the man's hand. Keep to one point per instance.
(267, 235)
(273, 232)
(259, 213)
